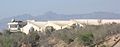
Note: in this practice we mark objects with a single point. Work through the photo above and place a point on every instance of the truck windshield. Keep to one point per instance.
(13, 26)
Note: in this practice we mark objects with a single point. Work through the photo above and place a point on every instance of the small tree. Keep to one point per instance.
(49, 30)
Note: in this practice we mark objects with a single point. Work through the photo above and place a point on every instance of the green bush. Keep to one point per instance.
(66, 35)
(86, 38)
(9, 39)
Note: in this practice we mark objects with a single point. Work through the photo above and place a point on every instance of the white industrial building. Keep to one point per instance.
(25, 27)
(41, 25)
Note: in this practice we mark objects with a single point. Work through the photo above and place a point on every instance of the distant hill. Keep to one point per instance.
(4, 21)
(54, 16)
(94, 15)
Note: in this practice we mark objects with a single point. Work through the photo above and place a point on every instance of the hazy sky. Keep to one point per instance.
(37, 7)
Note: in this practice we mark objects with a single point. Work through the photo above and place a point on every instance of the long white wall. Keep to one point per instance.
(96, 21)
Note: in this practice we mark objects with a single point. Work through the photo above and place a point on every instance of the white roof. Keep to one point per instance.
(62, 23)
(39, 24)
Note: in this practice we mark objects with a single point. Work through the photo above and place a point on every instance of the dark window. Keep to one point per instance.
(13, 26)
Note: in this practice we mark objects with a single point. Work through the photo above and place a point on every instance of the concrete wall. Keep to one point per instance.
(96, 21)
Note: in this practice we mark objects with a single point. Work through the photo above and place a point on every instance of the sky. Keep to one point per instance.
(38, 7)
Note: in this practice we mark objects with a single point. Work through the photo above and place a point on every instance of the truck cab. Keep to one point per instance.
(15, 26)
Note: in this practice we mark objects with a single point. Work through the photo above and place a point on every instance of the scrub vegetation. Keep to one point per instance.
(90, 35)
